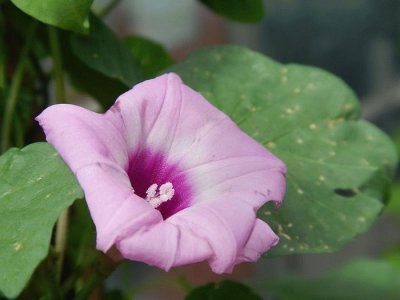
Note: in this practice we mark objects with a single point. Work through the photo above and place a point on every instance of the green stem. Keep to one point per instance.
(108, 8)
(19, 133)
(184, 283)
(15, 86)
(61, 240)
(94, 281)
(58, 72)
(58, 75)
(2, 54)
(103, 268)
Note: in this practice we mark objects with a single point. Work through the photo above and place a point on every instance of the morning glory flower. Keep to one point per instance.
(168, 178)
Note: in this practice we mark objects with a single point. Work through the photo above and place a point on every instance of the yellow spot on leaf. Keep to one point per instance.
(17, 246)
(361, 219)
(289, 110)
(311, 85)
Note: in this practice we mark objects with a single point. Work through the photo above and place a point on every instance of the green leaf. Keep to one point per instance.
(361, 279)
(339, 167)
(226, 289)
(103, 88)
(248, 11)
(392, 256)
(102, 51)
(66, 14)
(394, 203)
(153, 58)
(35, 187)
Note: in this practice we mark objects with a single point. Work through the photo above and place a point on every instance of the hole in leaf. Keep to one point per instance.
(346, 192)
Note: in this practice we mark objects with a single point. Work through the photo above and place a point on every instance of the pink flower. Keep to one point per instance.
(169, 179)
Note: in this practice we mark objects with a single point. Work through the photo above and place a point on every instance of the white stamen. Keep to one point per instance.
(165, 192)
(151, 191)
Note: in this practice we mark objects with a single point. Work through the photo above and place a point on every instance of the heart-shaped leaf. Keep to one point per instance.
(66, 14)
(248, 11)
(339, 167)
(35, 187)
(153, 58)
(102, 51)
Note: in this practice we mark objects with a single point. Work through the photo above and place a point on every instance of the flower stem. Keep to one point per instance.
(102, 269)
(184, 283)
(15, 86)
(58, 73)
(58, 76)
(2, 53)
(61, 239)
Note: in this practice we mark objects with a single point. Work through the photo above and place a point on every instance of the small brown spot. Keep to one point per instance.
(17, 246)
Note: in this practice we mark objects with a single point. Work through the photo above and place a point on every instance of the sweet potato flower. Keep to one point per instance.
(168, 178)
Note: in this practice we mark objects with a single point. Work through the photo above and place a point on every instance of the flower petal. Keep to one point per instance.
(224, 232)
(210, 148)
(95, 151)
(225, 173)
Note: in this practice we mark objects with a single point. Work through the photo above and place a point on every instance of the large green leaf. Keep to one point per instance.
(66, 14)
(88, 80)
(153, 58)
(338, 166)
(226, 289)
(35, 187)
(359, 280)
(102, 51)
(237, 10)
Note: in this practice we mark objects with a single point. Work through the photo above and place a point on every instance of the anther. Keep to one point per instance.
(165, 192)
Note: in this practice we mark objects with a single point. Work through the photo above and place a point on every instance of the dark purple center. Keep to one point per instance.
(146, 168)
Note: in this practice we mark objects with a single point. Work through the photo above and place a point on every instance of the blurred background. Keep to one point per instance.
(358, 40)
